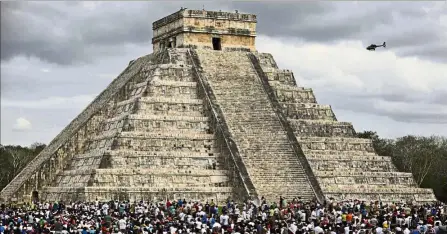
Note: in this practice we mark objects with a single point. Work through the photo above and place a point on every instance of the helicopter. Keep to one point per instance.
(373, 47)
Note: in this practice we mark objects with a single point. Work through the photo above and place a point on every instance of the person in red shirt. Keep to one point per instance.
(430, 220)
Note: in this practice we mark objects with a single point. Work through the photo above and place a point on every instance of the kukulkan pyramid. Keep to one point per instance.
(206, 116)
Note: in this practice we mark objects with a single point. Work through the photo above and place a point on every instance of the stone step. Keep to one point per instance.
(264, 150)
(172, 73)
(347, 157)
(168, 189)
(181, 134)
(264, 167)
(273, 137)
(137, 193)
(141, 177)
(361, 174)
(165, 141)
(372, 189)
(170, 106)
(159, 159)
(246, 106)
(384, 198)
(380, 194)
(277, 178)
(352, 165)
(169, 118)
(150, 123)
(335, 143)
(293, 94)
(236, 90)
(158, 171)
(159, 177)
(379, 179)
(73, 179)
(307, 111)
(330, 152)
(86, 162)
(245, 101)
(322, 128)
(171, 89)
(166, 154)
(357, 169)
(162, 162)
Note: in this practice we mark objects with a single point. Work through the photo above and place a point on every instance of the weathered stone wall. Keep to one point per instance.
(196, 28)
(156, 139)
(346, 167)
(228, 42)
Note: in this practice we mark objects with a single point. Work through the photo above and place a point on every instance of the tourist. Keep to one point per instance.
(177, 217)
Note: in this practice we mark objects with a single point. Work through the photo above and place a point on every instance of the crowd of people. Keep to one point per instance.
(180, 216)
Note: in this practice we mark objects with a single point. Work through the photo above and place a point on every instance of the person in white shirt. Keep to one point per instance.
(293, 228)
(406, 230)
(318, 230)
(122, 225)
(347, 230)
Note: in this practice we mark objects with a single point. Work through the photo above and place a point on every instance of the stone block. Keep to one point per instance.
(170, 106)
(177, 89)
(332, 143)
(142, 141)
(322, 128)
(157, 123)
(307, 111)
(351, 165)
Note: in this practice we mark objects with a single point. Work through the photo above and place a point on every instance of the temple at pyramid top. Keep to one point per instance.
(205, 29)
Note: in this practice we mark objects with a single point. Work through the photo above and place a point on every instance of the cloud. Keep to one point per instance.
(70, 33)
(350, 78)
(22, 124)
(77, 33)
(80, 102)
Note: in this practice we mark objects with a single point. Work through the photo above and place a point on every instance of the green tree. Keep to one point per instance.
(13, 158)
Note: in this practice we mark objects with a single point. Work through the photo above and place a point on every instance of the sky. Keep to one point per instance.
(56, 57)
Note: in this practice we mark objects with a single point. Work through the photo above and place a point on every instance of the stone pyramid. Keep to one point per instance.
(206, 116)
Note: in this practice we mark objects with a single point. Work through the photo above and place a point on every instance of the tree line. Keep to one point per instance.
(13, 158)
(424, 157)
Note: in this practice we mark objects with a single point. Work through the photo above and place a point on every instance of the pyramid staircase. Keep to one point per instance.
(345, 166)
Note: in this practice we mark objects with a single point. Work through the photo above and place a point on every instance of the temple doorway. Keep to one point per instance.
(35, 196)
(216, 43)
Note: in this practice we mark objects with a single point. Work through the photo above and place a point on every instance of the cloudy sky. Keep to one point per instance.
(57, 56)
